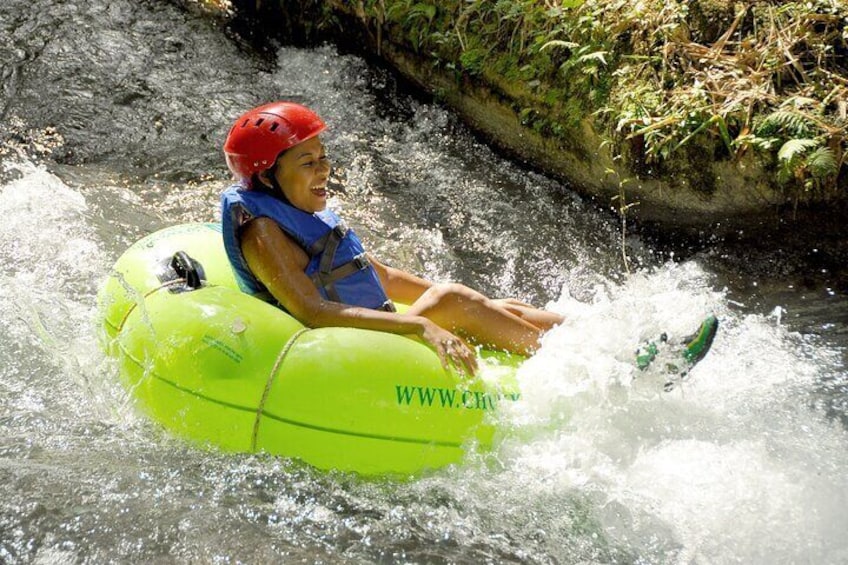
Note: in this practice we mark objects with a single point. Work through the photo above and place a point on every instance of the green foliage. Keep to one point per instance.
(803, 156)
(794, 149)
(822, 163)
(472, 60)
(415, 17)
(768, 80)
(806, 162)
(784, 122)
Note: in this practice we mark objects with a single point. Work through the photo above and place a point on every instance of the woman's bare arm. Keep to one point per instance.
(279, 264)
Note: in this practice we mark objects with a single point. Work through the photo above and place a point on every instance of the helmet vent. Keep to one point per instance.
(260, 134)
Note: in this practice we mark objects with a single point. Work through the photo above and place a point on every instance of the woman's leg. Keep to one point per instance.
(487, 322)
(542, 319)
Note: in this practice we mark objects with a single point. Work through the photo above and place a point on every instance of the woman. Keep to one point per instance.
(286, 246)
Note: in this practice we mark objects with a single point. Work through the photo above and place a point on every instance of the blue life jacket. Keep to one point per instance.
(337, 264)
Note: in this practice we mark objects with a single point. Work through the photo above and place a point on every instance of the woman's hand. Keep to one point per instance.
(450, 348)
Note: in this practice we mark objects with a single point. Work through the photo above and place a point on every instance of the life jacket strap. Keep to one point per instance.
(325, 278)
(325, 266)
(339, 232)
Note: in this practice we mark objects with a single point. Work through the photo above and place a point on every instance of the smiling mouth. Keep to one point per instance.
(319, 191)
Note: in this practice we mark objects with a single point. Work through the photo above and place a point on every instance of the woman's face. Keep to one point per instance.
(302, 173)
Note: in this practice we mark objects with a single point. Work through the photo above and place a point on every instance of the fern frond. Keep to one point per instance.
(559, 43)
(796, 148)
(822, 163)
(421, 10)
(786, 122)
(760, 143)
(596, 56)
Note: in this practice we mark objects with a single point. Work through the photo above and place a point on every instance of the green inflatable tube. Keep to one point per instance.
(224, 369)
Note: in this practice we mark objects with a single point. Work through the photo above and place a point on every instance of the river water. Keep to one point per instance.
(113, 114)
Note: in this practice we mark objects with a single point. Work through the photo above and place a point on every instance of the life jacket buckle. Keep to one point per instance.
(361, 261)
(340, 230)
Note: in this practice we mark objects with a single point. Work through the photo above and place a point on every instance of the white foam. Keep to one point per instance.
(732, 464)
(52, 264)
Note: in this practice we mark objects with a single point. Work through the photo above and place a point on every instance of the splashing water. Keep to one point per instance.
(743, 461)
(734, 456)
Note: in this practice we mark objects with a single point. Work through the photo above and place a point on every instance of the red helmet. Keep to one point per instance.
(259, 136)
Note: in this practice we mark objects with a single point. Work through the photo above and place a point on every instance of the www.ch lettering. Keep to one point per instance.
(437, 397)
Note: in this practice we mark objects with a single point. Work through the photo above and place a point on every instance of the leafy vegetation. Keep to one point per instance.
(657, 75)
